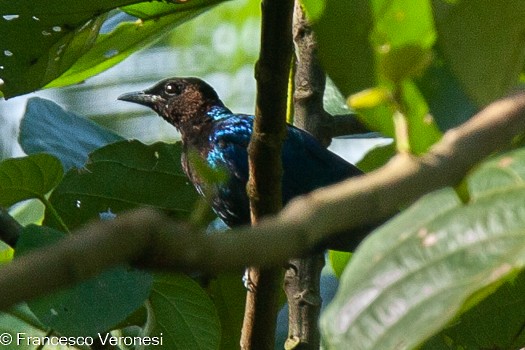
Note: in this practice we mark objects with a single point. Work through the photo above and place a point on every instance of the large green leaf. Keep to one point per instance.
(122, 176)
(28, 177)
(183, 314)
(420, 130)
(495, 323)
(90, 307)
(437, 259)
(358, 37)
(448, 102)
(344, 48)
(156, 19)
(228, 295)
(46, 127)
(483, 42)
(42, 40)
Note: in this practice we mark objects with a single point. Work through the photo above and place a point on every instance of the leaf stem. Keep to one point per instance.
(54, 214)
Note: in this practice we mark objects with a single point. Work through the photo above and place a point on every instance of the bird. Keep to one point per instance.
(220, 138)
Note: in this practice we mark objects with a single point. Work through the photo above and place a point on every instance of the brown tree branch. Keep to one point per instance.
(148, 239)
(302, 277)
(265, 166)
(310, 81)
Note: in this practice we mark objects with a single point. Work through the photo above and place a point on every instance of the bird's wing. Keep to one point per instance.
(308, 165)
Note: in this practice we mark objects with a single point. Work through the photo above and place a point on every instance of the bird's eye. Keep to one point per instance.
(172, 89)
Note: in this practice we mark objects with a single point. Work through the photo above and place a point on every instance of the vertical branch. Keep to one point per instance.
(302, 287)
(310, 80)
(303, 275)
(264, 185)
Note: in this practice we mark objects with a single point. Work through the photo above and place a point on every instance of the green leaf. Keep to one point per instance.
(6, 253)
(436, 260)
(495, 323)
(93, 306)
(42, 41)
(122, 176)
(496, 175)
(377, 157)
(28, 212)
(400, 23)
(24, 329)
(47, 127)
(482, 42)
(422, 129)
(375, 109)
(28, 177)
(448, 102)
(228, 294)
(344, 47)
(154, 10)
(405, 62)
(354, 36)
(156, 19)
(184, 314)
(314, 8)
(339, 261)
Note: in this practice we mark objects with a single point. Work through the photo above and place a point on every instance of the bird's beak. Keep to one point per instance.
(140, 97)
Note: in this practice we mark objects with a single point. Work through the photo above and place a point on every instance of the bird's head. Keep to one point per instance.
(181, 101)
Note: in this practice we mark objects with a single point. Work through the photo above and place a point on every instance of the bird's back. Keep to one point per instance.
(307, 165)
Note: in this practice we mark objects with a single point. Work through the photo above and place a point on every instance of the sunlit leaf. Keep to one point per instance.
(422, 129)
(401, 23)
(339, 260)
(42, 41)
(39, 42)
(369, 98)
(406, 62)
(433, 262)
(6, 253)
(155, 20)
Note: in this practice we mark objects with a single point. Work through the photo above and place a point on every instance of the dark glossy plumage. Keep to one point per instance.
(221, 138)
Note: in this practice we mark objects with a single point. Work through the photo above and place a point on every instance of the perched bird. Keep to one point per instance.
(220, 138)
